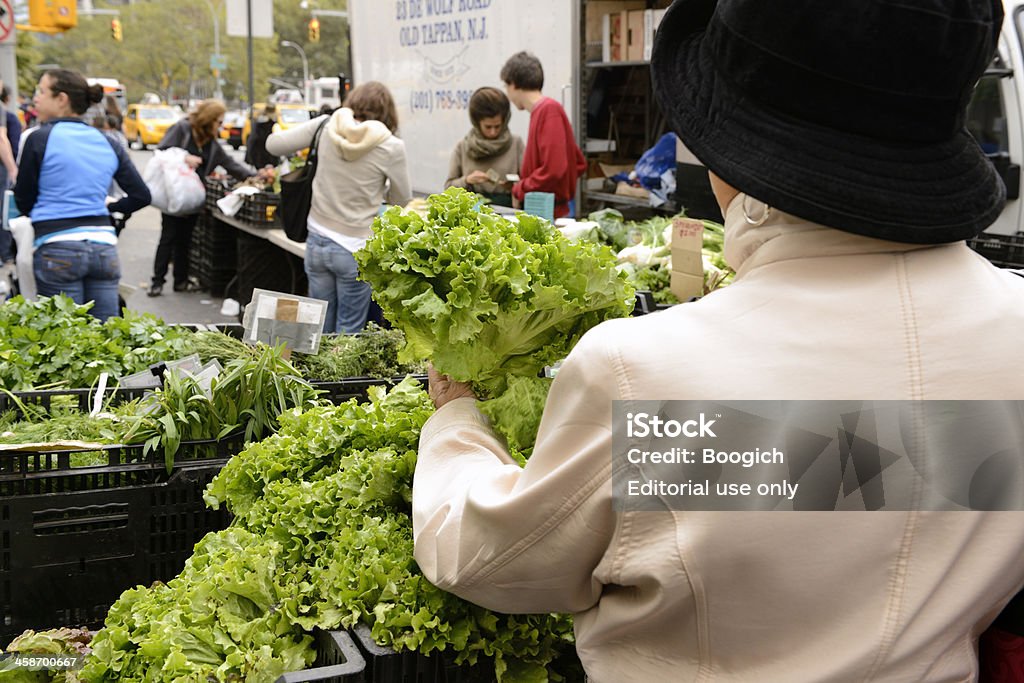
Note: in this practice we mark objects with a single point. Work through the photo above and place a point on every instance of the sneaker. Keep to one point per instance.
(190, 286)
(155, 290)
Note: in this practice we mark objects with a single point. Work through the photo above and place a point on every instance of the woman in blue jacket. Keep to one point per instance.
(66, 169)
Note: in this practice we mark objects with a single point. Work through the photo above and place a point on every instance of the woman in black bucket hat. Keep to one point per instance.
(849, 114)
(834, 132)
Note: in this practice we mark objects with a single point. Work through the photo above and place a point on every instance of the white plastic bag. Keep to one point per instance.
(175, 188)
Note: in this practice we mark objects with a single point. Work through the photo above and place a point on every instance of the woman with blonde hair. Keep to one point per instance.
(197, 135)
(482, 161)
(361, 163)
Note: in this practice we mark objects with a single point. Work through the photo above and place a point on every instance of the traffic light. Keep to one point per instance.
(115, 29)
(55, 15)
(314, 30)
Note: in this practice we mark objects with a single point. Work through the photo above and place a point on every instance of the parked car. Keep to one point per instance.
(288, 116)
(145, 124)
(231, 131)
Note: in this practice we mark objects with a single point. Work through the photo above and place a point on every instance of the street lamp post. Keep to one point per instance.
(217, 93)
(305, 68)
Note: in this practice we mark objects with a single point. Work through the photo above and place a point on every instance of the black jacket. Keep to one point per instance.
(213, 154)
(256, 146)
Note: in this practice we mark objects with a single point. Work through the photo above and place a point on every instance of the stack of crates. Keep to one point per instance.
(73, 538)
(213, 255)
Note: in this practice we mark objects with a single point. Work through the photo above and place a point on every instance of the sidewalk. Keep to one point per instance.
(137, 247)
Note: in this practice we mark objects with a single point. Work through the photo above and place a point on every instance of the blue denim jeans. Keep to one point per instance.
(331, 270)
(85, 271)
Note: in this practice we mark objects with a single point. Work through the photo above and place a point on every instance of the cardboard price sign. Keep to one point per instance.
(687, 258)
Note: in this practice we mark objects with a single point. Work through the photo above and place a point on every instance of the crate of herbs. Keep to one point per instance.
(344, 367)
(53, 343)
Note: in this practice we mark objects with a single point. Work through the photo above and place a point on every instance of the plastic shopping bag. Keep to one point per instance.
(175, 188)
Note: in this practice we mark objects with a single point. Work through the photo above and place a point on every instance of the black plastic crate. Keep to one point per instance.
(53, 471)
(1005, 251)
(215, 189)
(261, 210)
(337, 661)
(644, 303)
(213, 255)
(235, 330)
(356, 387)
(385, 665)
(65, 558)
(79, 398)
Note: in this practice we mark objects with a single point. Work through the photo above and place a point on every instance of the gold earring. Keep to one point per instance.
(756, 222)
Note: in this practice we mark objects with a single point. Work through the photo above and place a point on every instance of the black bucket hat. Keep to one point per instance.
(847, 113)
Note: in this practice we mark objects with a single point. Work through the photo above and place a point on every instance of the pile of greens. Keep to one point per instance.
(60, 641)
(644, 252)
(54, 342)
(245, 400)
(484, 298)
(322, 537)
(370, 353)
(224, 618)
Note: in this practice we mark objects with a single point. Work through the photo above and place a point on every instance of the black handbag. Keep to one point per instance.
(297, 193)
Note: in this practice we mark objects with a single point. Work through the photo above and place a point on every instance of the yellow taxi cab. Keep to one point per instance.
(288, 116)
(145, 124)
(231, 131)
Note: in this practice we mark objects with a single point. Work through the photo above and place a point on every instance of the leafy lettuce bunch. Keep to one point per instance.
(331, 492)
(483, 297)
(224, 618)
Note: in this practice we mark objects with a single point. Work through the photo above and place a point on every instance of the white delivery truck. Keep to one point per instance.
(433, 54)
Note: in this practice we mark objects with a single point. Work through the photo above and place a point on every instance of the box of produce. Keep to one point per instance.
(645, 254)
(261, 209)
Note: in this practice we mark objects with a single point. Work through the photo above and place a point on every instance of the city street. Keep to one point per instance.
(137, 247)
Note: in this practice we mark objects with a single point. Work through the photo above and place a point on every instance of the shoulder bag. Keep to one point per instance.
(297, 193)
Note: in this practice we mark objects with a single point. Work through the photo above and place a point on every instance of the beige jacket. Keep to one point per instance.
(462, 164)
(756, 597)
(355, 161)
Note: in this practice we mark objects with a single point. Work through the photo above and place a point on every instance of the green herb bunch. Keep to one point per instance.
(246, 398)
(54, 342)
(370, 353)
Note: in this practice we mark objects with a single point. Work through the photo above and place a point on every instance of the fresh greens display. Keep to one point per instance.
(370, 353)
(322, 537)
(644, 252)
(60, 641)
(248, 396)
(224, 618)
(54, 342)
(484, 298)
(246, 399)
